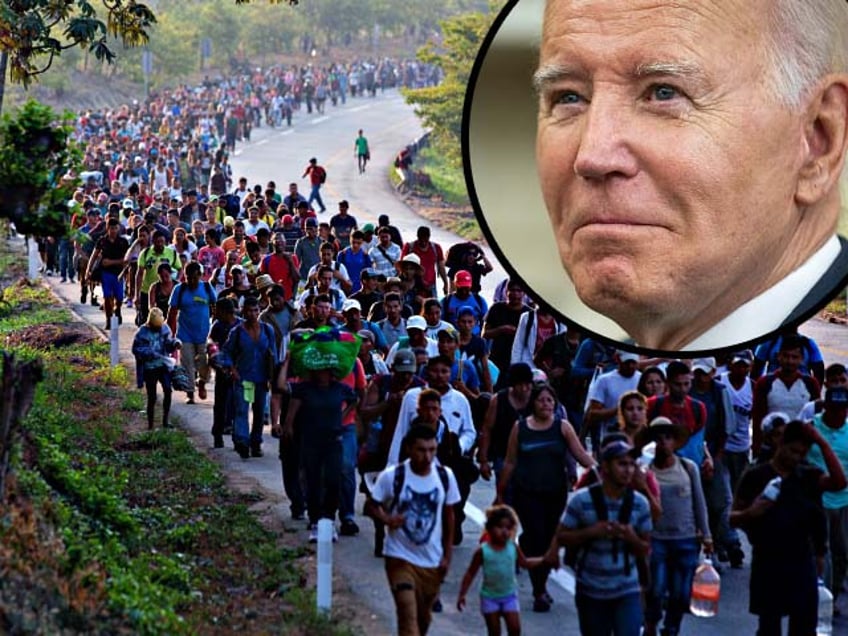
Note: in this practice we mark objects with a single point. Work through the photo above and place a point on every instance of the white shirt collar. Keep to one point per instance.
(759, 316)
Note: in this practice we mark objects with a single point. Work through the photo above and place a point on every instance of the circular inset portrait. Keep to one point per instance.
(665, 173)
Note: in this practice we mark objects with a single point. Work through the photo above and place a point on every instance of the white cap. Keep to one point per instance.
(416, 322)
(626, 356)
(707, 365)
(351, 303)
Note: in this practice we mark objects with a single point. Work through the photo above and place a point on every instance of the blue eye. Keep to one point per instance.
(663, 92)
(567, 97)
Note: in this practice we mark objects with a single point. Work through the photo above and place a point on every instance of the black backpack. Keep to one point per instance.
(624, 513)
(400, 476)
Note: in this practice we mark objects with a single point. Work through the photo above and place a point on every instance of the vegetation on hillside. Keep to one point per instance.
(109, 528)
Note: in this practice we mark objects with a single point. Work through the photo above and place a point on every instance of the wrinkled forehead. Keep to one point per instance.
(674, 29)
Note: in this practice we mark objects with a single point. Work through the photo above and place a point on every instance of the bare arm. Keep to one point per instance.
(468, 578)
(574, 445)
(509, 462)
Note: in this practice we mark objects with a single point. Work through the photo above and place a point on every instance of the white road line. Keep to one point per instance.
(237, 152)
(261, 141)
(358, 108)
(286, 132)
(319, 120)
(562, 577)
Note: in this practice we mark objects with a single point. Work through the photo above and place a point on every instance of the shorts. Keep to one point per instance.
(502, 604)
(113, 287)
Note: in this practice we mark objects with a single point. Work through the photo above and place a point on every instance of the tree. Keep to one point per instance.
(440, 107)
(34, 32)
(36, 152)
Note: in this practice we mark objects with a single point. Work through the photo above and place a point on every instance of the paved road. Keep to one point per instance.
(390, 124)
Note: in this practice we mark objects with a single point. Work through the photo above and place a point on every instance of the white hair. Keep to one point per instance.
(807, 40)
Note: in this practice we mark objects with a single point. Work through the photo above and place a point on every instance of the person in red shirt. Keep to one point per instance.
(282, 267)
(432, 260)
(317, 176)
(682, 409)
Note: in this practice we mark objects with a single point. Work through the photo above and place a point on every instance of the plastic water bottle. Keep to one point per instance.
(706, 589)
(825, 624)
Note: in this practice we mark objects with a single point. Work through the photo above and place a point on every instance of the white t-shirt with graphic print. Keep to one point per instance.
(419, 540)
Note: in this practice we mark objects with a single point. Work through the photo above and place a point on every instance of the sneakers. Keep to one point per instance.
(737, 557)
(219, 442)
(349, 528)
(119, 317)
(94, 302)
(437, 606)
(243, 450)
(540, 604)
(201, 390)
(83, 295)
(256, 450)
(297, 514)
(129, 303)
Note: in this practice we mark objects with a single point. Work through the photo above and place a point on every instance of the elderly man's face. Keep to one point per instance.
(665, 160)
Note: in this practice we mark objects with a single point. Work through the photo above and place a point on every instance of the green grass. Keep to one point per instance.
(447, 180)
(114, 531)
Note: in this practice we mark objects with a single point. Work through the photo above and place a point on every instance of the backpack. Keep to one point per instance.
(209, 294)
(322, 176)
(400, 477)
(599, 503)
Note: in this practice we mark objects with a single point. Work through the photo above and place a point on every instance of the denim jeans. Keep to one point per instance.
(719, 499)
(242, 432)
(347, 486)
(322, 463)
(291, 464)
(66, 259)
(673, 563)
(620, 616)
(315, 195)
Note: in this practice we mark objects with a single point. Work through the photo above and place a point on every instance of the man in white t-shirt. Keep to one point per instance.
(605, 392)
(740, 388)
(415, 501)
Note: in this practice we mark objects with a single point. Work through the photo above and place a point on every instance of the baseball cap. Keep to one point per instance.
(412, 259)
(416, 322)
(351, 303)
(628, 356)
(288, 218)
(462, 278)
(311, 222)
(237, 268)
(450, 332)
(465, 310)
(128, 204)
(742, 356)
(773, 420)
(213, 197)
(404, 361)
(229, 221)
(836, 395)
(616, 448)
(366, 334)
(368, 227)
(707, 365)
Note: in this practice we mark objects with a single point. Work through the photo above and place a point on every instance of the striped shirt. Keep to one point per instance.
(601, 575)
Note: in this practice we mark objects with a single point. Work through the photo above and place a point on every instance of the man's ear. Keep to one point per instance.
(826, 136)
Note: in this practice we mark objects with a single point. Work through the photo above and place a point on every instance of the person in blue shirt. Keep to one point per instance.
(190, 309)
(250, 357)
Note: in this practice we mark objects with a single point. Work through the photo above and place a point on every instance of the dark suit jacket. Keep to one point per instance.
(834, 279)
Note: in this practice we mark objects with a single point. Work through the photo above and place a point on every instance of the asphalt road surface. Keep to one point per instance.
(390, 124)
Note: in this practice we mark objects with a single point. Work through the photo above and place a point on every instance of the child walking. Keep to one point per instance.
(498, 555)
